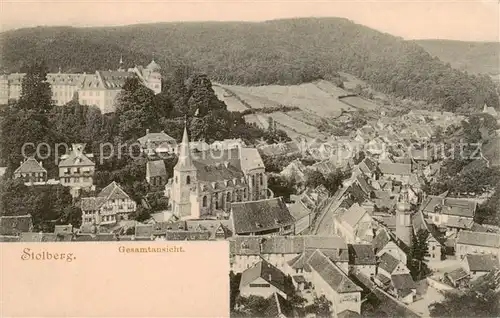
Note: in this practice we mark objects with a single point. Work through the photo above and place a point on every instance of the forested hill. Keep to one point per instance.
(283, 52)
(473, 57)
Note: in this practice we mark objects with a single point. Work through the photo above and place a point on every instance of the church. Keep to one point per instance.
(205, 183)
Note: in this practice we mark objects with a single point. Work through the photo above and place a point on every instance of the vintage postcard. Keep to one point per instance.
(249, 158)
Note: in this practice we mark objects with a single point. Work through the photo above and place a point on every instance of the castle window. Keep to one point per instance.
(261, 179)
(204, 201)
(188, 180)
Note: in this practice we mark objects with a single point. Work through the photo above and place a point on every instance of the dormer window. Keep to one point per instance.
(258, 225)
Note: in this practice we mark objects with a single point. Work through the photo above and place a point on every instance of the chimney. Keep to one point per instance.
(270, 277)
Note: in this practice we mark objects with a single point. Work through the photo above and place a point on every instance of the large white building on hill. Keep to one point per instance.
(99, 89)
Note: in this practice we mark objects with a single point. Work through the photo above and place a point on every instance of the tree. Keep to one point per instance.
(418, 252)
(281, 187)
(35, 90)
(481, 300)
(321, 307)
(135, 109)
(333, 181)
(314, 178)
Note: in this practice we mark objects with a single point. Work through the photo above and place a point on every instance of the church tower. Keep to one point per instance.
(184, 180)
(120, 68)
(404, 229)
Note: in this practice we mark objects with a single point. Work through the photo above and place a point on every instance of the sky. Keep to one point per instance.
(471, 20)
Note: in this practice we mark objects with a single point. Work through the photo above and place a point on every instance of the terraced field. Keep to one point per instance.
(317, 101)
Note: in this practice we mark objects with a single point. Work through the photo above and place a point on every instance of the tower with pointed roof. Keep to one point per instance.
(184, 180)
(120, 68)
(404, 229)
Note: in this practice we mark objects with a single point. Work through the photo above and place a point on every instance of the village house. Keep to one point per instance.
(277, 306)
(157, 143)
(404, 287)
(355, 225)
(478, 265)
(302, 215)
(395, 171)
(263, 217)
(214, 229)
(263, 279)
(389, 265)
(435, 242)
(110, 206)
(328, 280)
(362, 258)
(288, 253)
(76, 170)
(469, 242)
(458, 277)
(31, 172)
(156, 173)
(451, 213)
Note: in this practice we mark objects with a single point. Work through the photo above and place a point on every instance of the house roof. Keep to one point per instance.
(256, 216)
(15, 225)
(419, 223)
(331, 274)
(298, 210)
(63, 229)
(478, 239)
(388, 262)
(92, 203)
(38, 237)
(156, 168)
(449, 206)
(353, 215)
(156, 138)
(457, 274)
(277, 306)
(482, 262)
(113, 191)
(367, 166)
(76, 158)
(403, 281)
(361, 254)
(395, 168)
(30, 165)
(187, 236)
(266, 271)
(381, 240)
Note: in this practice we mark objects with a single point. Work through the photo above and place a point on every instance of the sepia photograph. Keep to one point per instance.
(347, 153)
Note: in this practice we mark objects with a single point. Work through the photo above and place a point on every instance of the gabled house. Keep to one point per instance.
(302, 215)
(263, 279)
(31, 172)
(385, 242)
(454, 214)
(389, 265)
(76, 170)
(478, 265)
(395, 171)
(362, 258)
(262, 217)
(435, 241)
(404, 287)
(469, 242)
(157, 143)
(458, 277)
(355, 225)
(335, 285)
(110, 206)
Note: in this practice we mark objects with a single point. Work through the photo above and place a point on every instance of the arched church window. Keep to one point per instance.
(261, 181)
(205, 201)
(188, 180)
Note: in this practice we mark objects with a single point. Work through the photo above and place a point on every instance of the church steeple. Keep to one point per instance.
(404, 228)
(120, 68)
(185, 162)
